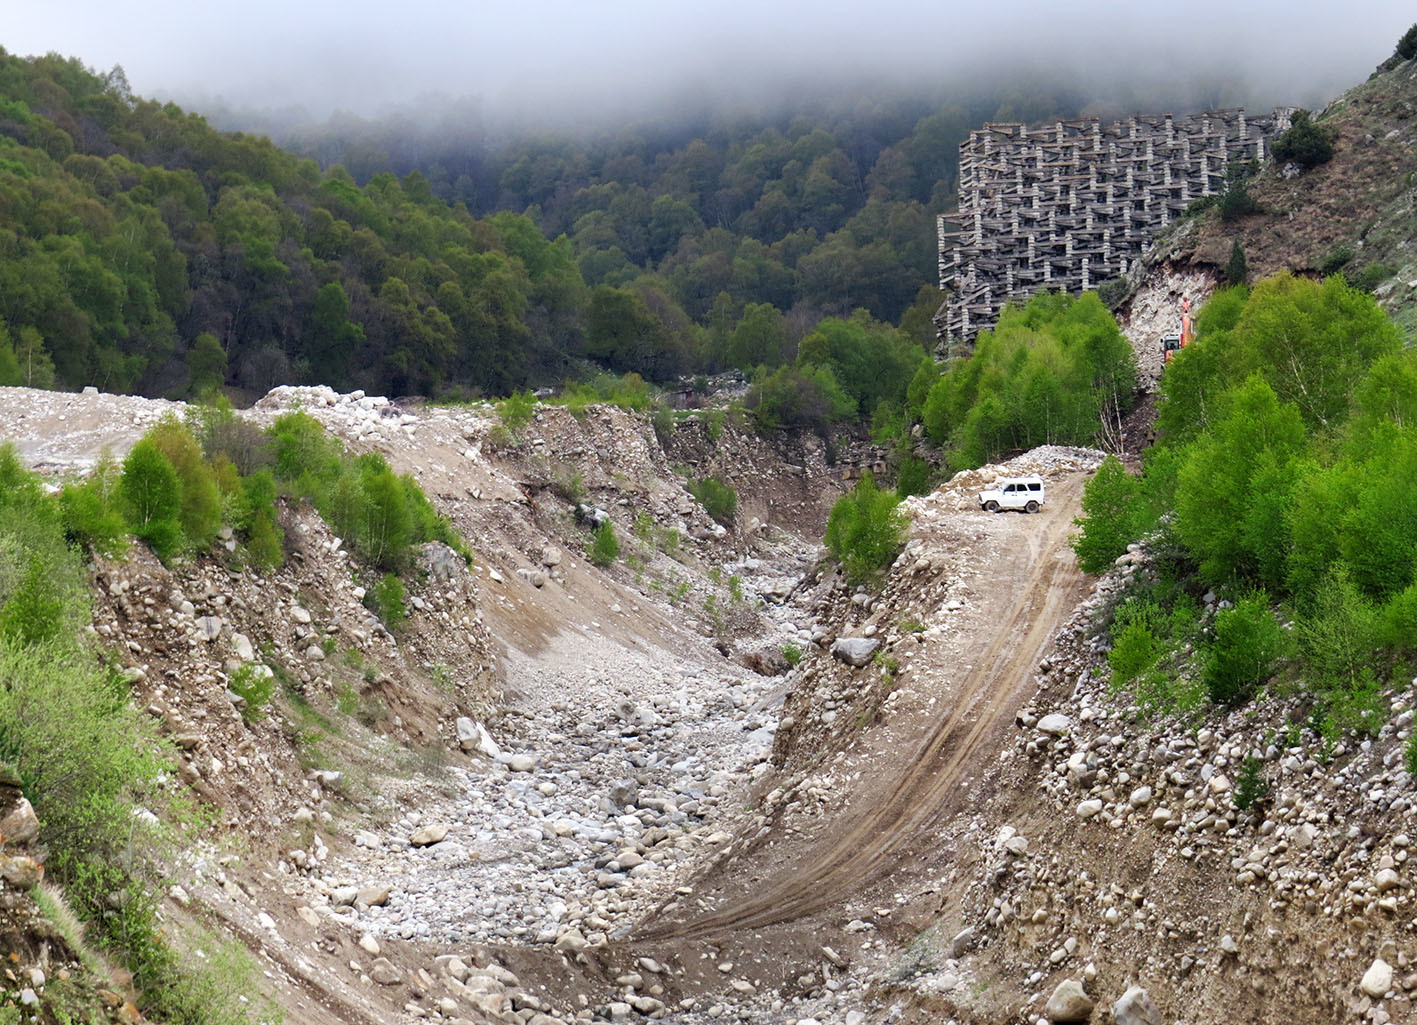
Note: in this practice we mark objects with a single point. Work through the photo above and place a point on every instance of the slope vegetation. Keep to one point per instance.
(1354, 213)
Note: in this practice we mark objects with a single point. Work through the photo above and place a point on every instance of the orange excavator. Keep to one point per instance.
(1171, 344)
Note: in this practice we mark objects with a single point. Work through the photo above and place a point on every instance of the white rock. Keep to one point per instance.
(241, 644)
(427, 836)
(1069, 1002)
(1377, 980)
(855, 651)
(1135, 1007)
(1057, 724)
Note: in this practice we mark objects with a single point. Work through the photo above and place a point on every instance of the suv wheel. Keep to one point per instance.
(1031, 507)
(991, 506)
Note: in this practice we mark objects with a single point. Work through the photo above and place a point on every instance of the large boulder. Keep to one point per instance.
(1377, 980)
(473, 737)
(19, 825)
(1069, 1002)
(384, 973)
(443, 563)
(1135, 1007)
(855, 651)
(428, 835)
(20, 871)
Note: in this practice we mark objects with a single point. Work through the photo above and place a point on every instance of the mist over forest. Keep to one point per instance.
(465, 204)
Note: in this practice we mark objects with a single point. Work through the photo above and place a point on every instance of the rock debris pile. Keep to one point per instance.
(1152, 865)
(576, 826)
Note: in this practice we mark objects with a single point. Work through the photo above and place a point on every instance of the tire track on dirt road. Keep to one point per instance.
(927, 789)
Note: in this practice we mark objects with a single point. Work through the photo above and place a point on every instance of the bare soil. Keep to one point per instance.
(777, 902)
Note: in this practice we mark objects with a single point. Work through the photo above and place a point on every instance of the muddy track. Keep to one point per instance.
(1045, 586)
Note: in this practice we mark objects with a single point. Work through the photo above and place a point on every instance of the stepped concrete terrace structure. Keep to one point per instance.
(1072, 204)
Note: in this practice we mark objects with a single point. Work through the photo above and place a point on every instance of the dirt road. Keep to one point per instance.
(1032, 583)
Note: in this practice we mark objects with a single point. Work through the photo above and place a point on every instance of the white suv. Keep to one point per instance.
(1024, 493)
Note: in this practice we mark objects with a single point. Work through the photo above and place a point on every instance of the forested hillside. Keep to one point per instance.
(142, 250)
(826, 203)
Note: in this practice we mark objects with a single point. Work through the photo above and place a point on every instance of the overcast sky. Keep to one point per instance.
(369, 56)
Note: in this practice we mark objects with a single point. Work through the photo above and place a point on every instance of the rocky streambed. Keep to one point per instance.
(580, 817)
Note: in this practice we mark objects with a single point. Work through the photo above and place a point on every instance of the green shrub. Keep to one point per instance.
(200, 511)
(1113, 291)
(662, 421)
(517, 409)
(1246, 646)
(264, 536)
(86, 756)
(1339, 633)
(151, 496)
(1250, 785)
(717, 497)
(500, 438)
(1355, 708)
(568, 484)
(34, 611)
(792, 654)
(1112, 516)
(798, 396)
(713, 423)
(307, 460)
(90, 511)
(669, 542)
(1407, 45)
(1236, 202)
(1168, 692)
(1237, 268)
(1135, 645)
(386, 600)
(604, 546)
(1336, 261)
(384, 531)
(381, 515)
(1053, 372)
(865, 529)
(630, 392)
(1371, 276)
(888, 422)
(1305, 143)
(1409, 754)
(254, 683)
(913, 477)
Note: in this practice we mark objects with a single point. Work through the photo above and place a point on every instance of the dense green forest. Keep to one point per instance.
(142, 250)
(828, 209)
